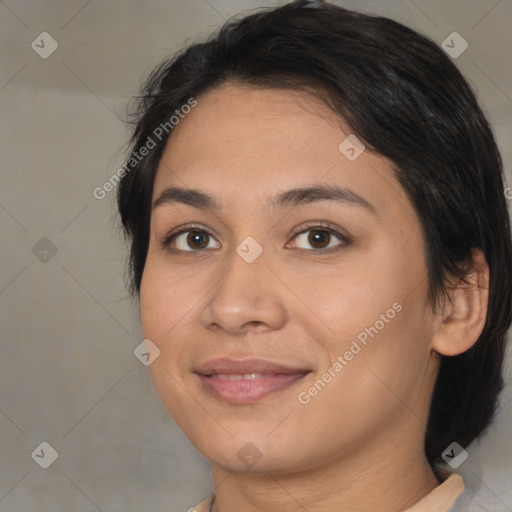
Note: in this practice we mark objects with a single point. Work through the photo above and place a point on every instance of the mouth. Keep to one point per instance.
(247, 381)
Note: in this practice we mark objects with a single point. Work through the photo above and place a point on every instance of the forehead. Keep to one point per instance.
(232, 117)
(244, 144)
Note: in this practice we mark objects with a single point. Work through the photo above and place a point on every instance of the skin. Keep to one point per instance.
(357, 444)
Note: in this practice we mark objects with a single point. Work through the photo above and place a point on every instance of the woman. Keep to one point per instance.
(322, 250)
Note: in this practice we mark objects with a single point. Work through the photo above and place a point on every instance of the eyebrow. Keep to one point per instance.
(287, 199)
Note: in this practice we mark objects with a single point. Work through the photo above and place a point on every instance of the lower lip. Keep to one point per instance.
(246, 391)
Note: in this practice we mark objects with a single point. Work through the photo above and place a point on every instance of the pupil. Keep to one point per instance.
(197, 239)
(317, 238)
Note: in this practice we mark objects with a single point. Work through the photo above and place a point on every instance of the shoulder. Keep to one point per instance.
(204, 506)
(443, 497)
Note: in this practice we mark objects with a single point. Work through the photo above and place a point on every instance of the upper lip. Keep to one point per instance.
(226, 365)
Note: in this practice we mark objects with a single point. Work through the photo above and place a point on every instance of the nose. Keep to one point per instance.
(245, 299)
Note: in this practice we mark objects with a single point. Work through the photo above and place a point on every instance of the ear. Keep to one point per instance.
(463, 317)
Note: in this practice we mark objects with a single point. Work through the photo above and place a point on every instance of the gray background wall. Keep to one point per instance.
(68, 375)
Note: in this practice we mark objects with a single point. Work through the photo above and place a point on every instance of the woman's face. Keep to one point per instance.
(290, 306)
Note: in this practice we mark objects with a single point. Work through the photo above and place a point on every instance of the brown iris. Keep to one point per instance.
(319, 239)
(197, 239)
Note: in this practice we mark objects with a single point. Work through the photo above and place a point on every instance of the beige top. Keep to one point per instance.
(439, 500)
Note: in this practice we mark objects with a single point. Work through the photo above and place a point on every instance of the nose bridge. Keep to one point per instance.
(246, 294)
(245, 281)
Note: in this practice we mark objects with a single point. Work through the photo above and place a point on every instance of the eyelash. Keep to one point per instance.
(303, 228)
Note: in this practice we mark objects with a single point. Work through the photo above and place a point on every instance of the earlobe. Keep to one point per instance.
(464, 316)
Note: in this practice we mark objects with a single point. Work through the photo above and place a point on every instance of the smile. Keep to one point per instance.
(245, 382)
(248, 388)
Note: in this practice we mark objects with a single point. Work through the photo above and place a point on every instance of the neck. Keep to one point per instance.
(394, 480)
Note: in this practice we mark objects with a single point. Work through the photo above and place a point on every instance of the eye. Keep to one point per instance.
(190, 240)
(318, 238)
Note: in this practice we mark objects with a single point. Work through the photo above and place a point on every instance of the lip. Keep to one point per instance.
(231, 366)
(223, 378)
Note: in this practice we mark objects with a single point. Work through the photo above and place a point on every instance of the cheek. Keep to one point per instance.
(166, 308)
(166, 299)
(168, 305)
(351, 300)
(155, 308)
(377, 323)
(379, 380)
